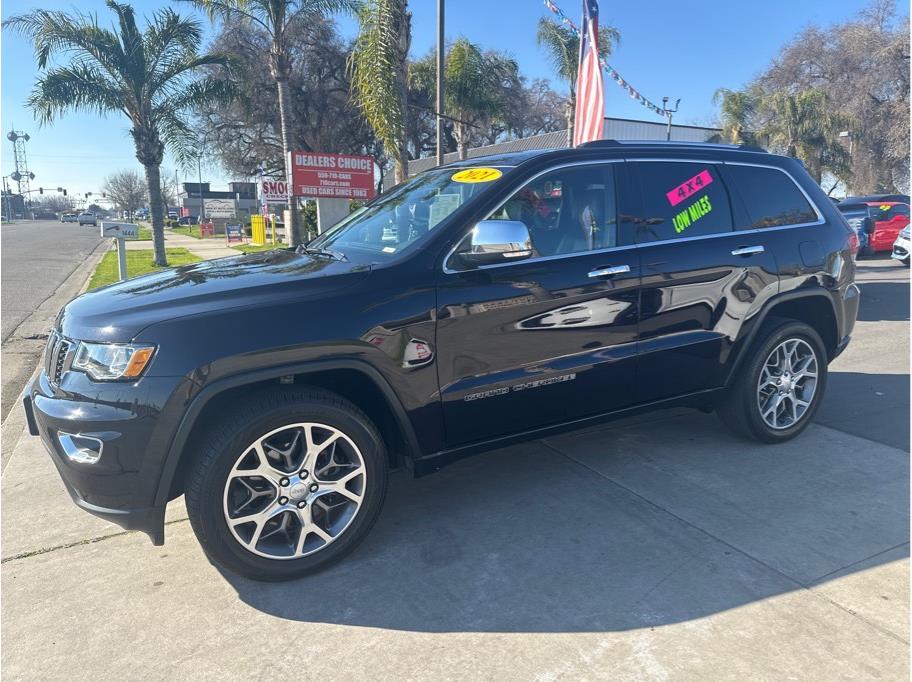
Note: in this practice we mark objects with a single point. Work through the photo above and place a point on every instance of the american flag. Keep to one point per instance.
(590, 90)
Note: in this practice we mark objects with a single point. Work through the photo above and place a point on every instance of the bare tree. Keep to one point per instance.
(127, 189)
(862, 67)
(56, 203)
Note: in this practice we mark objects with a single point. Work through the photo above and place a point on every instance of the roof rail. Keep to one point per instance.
(672, 143)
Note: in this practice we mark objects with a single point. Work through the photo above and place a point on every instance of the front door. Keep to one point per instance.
(552, 338)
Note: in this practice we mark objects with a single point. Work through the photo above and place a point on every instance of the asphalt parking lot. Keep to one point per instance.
(659, 547)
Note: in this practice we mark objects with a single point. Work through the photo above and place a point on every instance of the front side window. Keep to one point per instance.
(681, 200)
(567, 210)
(771, 198)
(405, 215)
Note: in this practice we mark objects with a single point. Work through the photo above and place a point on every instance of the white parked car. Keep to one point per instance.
(87, 219)
(902, 247)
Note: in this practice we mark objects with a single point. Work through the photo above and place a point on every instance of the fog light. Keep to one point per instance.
(82, 449)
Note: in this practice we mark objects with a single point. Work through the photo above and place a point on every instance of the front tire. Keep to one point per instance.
(781, 385)
(287, 485)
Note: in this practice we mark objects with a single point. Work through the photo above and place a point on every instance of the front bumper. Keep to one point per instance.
(110, 488)
(901, 248)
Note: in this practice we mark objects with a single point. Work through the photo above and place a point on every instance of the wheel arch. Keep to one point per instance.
(813, 306)
(357, 381)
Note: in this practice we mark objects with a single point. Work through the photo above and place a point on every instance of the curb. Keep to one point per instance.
(76, 283)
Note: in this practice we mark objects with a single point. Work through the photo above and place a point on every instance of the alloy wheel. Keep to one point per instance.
(295, 490)
(787, 384)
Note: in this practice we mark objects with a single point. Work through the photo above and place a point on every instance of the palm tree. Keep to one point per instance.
(379, 66)
(477, 87)
(278, 18)
(736, 109)
(805, 125)
(562, 46)
(151, 77)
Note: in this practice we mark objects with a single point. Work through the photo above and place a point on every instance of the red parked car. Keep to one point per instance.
(890, 217)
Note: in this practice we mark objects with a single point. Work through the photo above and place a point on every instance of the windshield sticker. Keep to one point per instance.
(443, 205)
(689, 187)
(692, 214)
(885, 207)
(471, 175)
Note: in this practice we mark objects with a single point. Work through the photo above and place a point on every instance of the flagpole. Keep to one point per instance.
(441, 65)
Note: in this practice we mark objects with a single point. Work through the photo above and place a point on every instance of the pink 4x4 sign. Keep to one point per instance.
(688, 187)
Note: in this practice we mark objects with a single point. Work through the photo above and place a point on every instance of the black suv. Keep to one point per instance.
(478, 304)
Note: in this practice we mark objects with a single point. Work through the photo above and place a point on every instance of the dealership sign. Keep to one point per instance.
(273, 191)
(219, 208)
(332, 176)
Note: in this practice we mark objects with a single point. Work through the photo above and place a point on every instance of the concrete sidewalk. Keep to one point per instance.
(204, 248)
(660, 548)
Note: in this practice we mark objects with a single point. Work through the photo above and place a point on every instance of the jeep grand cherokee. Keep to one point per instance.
(480, 303)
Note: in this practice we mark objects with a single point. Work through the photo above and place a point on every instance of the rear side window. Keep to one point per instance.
(890, 211)
(681, 200)
(771, 198)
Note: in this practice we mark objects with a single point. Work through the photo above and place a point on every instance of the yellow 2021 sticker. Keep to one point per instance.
(477, 175)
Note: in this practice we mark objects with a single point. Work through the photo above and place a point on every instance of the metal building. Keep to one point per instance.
(615, 129)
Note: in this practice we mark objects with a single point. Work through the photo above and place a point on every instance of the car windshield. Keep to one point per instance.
(405, 215)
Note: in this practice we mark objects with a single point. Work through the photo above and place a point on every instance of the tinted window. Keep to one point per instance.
(681, 200)
(567, 210)
(771, 197)
(890, 211)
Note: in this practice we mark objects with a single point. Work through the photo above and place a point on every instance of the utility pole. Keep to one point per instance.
(441, 66)
(668, 113)
(199, 186)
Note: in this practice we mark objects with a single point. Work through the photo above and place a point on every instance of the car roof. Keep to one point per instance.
(621, 147)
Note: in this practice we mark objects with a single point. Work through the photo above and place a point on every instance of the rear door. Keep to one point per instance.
(701, 278)
(548, 339)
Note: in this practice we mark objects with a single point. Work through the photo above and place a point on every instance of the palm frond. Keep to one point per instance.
(79, 87)
(377, 66)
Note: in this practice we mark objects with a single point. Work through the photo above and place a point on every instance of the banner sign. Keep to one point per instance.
(234, 233)
(273, 191)
(207, 229)
(332, 176)
(219, 208)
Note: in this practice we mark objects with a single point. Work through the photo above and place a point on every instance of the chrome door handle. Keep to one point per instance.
(608, 272)
(748, 250)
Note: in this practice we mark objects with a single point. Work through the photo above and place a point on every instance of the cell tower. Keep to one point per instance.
(21, 176)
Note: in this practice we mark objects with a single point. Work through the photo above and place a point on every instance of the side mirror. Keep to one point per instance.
(497, 241)
(869, 225)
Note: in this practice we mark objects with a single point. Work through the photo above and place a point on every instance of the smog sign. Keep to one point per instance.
(273, 191)
(219, 208)
(332, 176)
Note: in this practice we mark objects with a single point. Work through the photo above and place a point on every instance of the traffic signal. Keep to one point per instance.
(41, 190)
(64, 192)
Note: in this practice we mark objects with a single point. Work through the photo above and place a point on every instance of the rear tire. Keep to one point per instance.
(780, 386)
(307, 467)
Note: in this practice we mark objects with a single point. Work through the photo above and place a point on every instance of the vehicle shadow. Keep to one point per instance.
(883, 301)
(874, 406)
(633, 526)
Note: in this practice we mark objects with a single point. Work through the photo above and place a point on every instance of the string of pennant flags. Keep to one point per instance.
(632, 91)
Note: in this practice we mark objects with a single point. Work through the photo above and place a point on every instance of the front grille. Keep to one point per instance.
(57, 357)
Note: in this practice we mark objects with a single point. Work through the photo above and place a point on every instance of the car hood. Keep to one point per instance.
(120, 311)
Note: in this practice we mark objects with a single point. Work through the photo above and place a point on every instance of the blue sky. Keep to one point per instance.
(679, 49)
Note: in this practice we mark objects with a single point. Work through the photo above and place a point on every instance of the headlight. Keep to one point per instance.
(108, 361)
(905, 233)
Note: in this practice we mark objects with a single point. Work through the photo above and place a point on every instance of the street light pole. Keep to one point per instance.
(441, 65)
(668, 112)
